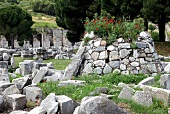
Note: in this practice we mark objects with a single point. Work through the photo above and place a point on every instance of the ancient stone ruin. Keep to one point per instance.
(98, 57)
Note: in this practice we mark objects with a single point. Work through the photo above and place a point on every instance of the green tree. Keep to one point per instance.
(157, 11)
(13, 1)
(15, 22)
(71, 15)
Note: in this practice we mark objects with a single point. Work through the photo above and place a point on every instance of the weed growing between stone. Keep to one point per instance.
(93, 81)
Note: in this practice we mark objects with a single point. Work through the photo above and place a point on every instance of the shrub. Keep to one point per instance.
(151, 27)
(155, 36)
(109, 29)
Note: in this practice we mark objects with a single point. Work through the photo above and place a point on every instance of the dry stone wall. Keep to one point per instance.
(121, 57)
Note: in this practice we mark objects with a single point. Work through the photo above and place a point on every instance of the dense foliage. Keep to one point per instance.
(110, 29)
(157, 11)
(71, 14)
(46, 7)
(14, 22)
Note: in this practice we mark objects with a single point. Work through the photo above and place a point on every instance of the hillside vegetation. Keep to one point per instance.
(40, 19)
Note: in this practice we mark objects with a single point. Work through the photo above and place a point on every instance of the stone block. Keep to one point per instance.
(1, 103)
(37, 110)
(114, 55)
(124, 45)
(11, 90)
(19, 112)
(141, 44)
(34, 94)
(143, 98)
(103, 55)
(98, 70)
(22, 82)
(4, 78)
(38, 77)
(66, 104)
(49, 104)
(3, 86)
(158, 93)
(165, 81)
(71, 82)
(95, 55)
(107, 69)
(126, 93)
(16, 101)
(114, 64)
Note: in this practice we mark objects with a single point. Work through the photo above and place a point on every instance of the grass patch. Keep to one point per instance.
(44, 25)
(93, 81)
(58, 64)
(17, 60)
(17, 76)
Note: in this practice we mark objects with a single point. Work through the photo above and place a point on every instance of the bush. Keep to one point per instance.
(109, 29)
(155, 36)
(151, 27)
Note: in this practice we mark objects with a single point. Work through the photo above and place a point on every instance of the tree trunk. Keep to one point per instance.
(161, 25)
(145, 25)
(12, 42)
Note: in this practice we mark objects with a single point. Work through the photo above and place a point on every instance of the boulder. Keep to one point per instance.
(99, 105)
(147, 81)
(126, 93)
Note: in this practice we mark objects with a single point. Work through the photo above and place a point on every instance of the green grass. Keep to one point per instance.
(17, 60)
(93, 81)
(44, 25)
(58, 64)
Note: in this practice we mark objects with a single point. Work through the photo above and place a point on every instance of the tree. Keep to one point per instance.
(157, 11)
(15, 22)
(71, 15)
(13, 1)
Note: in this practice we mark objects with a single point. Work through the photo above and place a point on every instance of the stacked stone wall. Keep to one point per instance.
(121, 57)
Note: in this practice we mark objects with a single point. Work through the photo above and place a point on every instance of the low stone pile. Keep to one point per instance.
(16, 96)
(146, 96)
(38, 70)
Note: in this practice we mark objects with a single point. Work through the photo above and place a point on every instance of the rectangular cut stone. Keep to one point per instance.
(141, 45)
(66, 104)
(158, 93)
(124, 45)
(16, 101)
